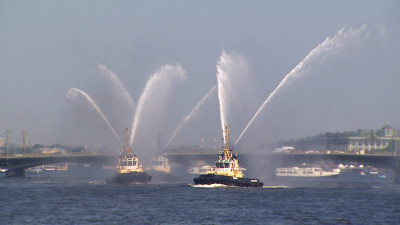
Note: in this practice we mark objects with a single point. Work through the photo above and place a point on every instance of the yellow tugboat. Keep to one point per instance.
(226, 170)
(160, 170)
(160, 164)
(128, 168)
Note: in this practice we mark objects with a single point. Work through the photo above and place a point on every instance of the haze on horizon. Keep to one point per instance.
(48, 47)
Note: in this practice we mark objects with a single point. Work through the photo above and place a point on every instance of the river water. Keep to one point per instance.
(80, 196)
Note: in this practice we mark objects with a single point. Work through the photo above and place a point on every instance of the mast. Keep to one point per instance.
(127, 149)
(226, 149)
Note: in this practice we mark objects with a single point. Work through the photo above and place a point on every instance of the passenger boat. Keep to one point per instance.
(49, 167)
(226, 170)
(34, 170)
(128, 169)
(305, 171)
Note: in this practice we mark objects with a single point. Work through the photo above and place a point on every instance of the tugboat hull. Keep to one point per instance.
(129, 178)
(162, 177)
(227, 180)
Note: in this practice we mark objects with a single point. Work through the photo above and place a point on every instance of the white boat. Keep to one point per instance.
(305, 170)
(34, 170)
(49, 167)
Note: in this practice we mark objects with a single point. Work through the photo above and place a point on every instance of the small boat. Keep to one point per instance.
(305, 171)
(62, 166)
(226, 170)
(34, 170)
(49, 167)
(128, 169)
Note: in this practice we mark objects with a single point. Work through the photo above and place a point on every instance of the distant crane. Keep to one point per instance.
(8, 132)
(24, 133)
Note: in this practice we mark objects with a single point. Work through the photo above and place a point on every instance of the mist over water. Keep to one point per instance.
(331, 45)
(74, 92)
(192, 113)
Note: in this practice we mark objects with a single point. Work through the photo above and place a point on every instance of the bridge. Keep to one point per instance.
(16, 164)
(269, 161)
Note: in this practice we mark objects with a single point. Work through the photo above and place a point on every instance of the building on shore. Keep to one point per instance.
(379, 140)
(382, 140)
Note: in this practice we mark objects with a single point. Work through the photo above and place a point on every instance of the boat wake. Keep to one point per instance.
(210, 185)
(276, 187)
(96, 182)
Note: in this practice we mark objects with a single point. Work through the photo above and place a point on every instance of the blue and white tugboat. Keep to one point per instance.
(128, 170)
(226, 170)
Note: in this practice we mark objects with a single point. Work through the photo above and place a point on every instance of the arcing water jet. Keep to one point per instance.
(73, 92)
(120, 86)
(231, 72)
(327, 47)
(191, 114)
(164, 77)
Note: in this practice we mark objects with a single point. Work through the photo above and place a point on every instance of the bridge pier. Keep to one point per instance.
(15, 173)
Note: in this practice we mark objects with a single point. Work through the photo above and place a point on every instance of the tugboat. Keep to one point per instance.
(160, 170)
(128, 169)
(160, 164)
(226, 170)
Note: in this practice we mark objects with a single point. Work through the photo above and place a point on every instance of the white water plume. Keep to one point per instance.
(231, 73)
(119, 85)
(73, 92)
(342, 39)
(160, 81)
(192, 113)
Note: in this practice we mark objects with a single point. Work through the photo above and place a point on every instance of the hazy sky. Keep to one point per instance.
(48, 47)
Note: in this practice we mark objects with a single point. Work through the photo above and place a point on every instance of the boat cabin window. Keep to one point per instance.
(158, 163)
(129, 162)
(223, 164)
